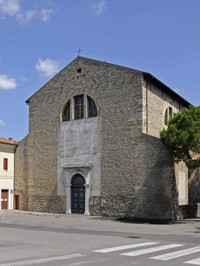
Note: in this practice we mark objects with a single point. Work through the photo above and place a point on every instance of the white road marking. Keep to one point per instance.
(93, 262)
(44, 260)
(194, 262)
(107, 250)
(150, 250)
(177, 254)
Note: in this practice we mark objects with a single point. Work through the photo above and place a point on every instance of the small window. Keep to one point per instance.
(79, 107)
(92, 110)
(168, 114)
(78, 71)
(66, 113)
(5, 164)
(166, 117)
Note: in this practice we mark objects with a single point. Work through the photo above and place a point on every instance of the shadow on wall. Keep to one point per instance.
(158, 197)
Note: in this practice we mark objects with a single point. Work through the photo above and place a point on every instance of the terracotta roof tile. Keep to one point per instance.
(8, 141)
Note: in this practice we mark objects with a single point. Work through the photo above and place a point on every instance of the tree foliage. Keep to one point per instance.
(182, 137)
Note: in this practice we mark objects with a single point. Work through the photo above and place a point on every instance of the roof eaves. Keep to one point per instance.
(172, 92)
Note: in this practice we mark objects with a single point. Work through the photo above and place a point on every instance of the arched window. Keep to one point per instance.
(92, 109)
(66, 112)
(168, 114)
(79, 107)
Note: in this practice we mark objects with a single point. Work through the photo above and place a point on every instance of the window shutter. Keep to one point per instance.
(5, 163)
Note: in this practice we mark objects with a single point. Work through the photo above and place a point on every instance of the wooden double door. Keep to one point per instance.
(4, 199)
(78, 194)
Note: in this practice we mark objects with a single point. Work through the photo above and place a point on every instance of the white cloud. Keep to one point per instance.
(23, 78)
(47, 67)
(28, 15)
(12, 8)
(7, 83)
(24, 17)
(99, 7)
(9, 7)
(45, 14)
(2, 123)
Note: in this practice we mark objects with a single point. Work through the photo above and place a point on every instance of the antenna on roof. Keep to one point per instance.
(79, 51)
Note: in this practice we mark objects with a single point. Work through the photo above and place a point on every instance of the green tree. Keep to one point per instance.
(182, 137)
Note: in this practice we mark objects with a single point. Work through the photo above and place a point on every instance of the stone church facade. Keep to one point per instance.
(93, 145)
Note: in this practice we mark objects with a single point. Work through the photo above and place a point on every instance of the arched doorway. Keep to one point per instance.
(78, 194)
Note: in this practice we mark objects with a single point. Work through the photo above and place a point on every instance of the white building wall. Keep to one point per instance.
(7, 176)
(8, 184)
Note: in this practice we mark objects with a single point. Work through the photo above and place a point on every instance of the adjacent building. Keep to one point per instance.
(93, 145)
(7, 151)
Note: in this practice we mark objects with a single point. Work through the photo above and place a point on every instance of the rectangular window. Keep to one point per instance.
(5, 164)
(79, 107)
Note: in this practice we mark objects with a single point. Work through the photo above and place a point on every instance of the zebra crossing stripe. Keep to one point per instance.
(194, 262)
(107, 250)
(150, 250)
(178, 254)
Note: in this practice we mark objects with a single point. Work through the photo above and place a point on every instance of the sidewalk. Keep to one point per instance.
(87, 224)
(88, 217)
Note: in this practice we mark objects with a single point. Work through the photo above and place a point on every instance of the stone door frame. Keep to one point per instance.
(69, 172)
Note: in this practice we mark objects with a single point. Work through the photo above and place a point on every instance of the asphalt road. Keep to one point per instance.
(53, 239)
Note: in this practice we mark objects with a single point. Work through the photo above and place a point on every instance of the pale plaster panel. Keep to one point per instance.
(78, 151)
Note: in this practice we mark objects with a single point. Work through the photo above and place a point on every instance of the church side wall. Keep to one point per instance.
(149, 192)
(21, 174)
(155, 103)
(159, 198)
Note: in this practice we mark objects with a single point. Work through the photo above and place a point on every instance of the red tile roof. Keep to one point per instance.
(8, 141)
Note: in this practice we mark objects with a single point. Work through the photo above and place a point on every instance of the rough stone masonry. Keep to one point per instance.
(126, 170)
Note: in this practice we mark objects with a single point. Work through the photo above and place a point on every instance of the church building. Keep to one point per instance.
(93, 145)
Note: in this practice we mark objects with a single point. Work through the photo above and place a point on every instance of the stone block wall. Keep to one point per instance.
(21, 174)
(135, 174)
(117, 93)
(156, 99)
(160, 196)
(148, 191)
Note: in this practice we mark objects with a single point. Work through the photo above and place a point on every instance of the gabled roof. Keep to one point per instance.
(8, 141)
(147, 75)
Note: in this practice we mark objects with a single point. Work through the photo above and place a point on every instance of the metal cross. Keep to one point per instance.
(79, 51)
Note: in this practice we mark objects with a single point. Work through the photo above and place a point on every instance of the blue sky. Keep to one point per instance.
(38, 38)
